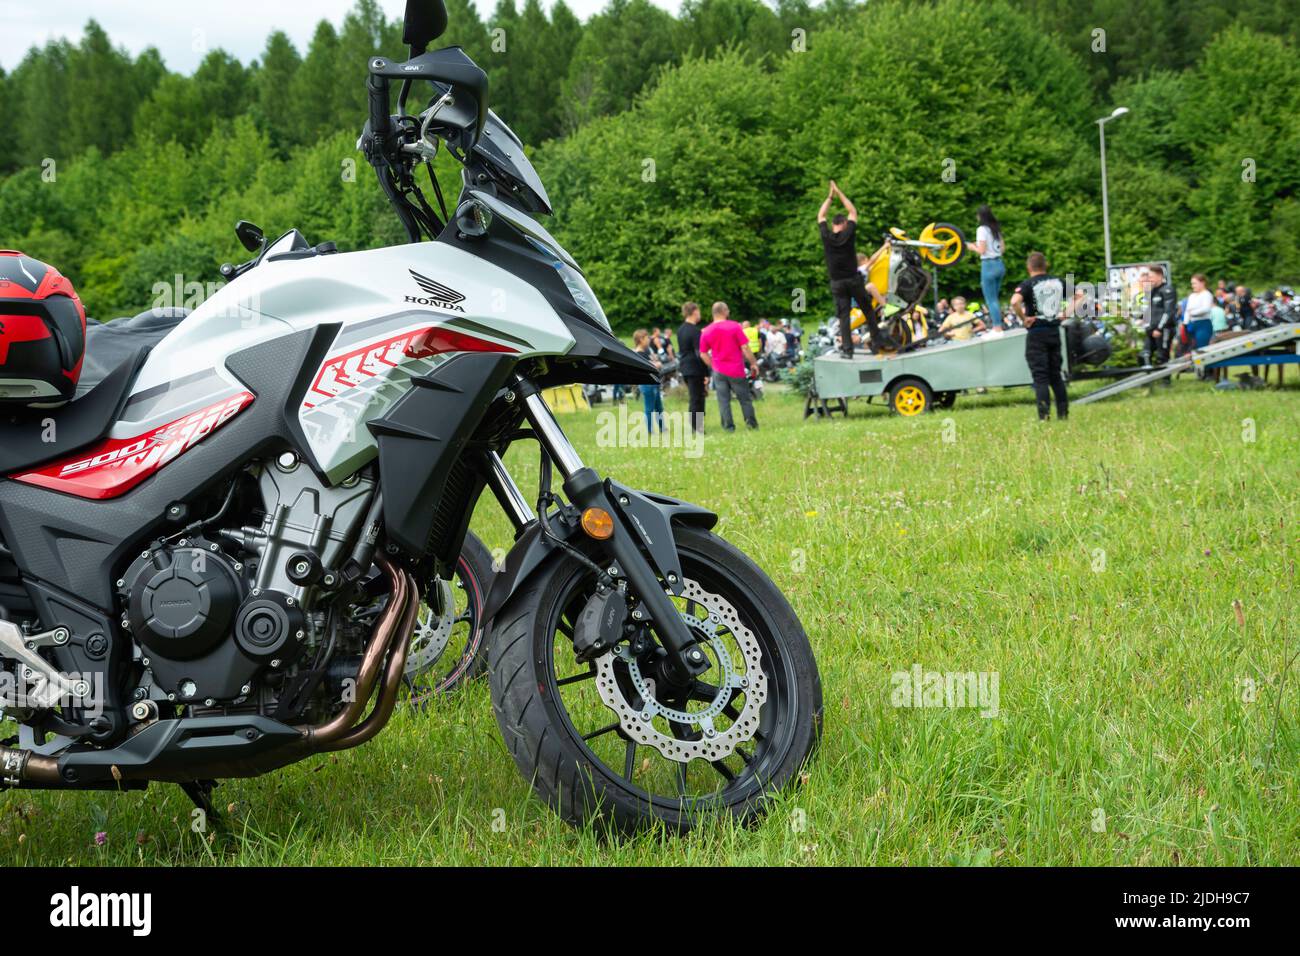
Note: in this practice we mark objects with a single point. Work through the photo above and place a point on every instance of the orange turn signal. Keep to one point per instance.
(598, 524)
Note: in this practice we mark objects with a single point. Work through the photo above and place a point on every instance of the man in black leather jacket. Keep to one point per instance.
(1161, 315)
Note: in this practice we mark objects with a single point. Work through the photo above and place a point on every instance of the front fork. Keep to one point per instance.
(632, 531)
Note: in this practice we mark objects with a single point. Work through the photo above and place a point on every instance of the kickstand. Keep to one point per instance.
(200, 792)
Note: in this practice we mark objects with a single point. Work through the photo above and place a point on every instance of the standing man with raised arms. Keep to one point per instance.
(847, 283)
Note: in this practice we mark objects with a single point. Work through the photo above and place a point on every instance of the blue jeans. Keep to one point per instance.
(652, 397)
(1201, 331)
(992, 272)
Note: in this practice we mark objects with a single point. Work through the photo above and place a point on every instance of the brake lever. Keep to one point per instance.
(426, 144)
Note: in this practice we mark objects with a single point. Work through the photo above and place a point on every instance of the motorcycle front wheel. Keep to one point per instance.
(617, 743)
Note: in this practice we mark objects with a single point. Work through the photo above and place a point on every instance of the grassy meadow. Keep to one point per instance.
(1128, 577)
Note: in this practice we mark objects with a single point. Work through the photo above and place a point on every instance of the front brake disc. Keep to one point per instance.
(432, 633)
(637, 720)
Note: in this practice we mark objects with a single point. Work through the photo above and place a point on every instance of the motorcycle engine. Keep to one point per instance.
(184, 606)
(225, 618)
(908, 277)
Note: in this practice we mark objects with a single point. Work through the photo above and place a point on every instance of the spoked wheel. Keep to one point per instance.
(909, 397)
(449, 647)
(952, 244)
(618, 739)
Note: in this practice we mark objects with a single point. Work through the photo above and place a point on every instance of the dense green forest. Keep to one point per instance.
(686, 156)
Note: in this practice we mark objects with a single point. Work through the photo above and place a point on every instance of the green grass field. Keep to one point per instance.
(1092, 566)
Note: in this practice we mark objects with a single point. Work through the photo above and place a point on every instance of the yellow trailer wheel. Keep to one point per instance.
(910, 397)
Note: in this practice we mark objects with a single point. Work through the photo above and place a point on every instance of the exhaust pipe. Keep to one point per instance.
(22, 767)
(390, 640)
(389, 686)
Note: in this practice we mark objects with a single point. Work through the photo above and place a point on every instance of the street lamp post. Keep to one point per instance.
(1105, 200)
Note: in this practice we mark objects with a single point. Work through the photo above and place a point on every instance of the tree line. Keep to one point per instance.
(687, 155)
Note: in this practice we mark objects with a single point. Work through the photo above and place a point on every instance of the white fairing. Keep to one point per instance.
(401, 311)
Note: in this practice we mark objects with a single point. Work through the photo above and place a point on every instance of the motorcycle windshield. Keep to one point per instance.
(500, 147)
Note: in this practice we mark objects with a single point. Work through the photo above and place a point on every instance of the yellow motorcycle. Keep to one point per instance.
(898, 273)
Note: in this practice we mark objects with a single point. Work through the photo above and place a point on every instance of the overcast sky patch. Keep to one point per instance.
(183, 30)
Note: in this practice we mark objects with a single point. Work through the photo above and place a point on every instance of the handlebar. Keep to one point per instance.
(380, 121)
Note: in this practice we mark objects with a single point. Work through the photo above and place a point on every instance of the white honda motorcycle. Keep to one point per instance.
(211, 563)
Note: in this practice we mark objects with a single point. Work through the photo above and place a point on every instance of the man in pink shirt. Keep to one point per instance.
(725, 349)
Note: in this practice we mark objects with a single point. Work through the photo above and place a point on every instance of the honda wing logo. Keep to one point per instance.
(436, 294)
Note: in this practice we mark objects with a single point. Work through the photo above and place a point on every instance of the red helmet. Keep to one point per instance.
(42, 332)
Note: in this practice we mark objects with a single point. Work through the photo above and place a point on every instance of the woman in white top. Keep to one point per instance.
(1199, 315)
(988, 243)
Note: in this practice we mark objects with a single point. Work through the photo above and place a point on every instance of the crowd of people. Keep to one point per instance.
(1170, 326)
(724, 356)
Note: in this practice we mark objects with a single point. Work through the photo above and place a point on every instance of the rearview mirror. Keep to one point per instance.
(426, 20)
(250, 236)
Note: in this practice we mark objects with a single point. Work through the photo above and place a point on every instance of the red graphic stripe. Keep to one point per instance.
(350, 369)
(116, 465)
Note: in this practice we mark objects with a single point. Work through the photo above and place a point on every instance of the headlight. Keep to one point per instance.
(580, 289)
(576, 283)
